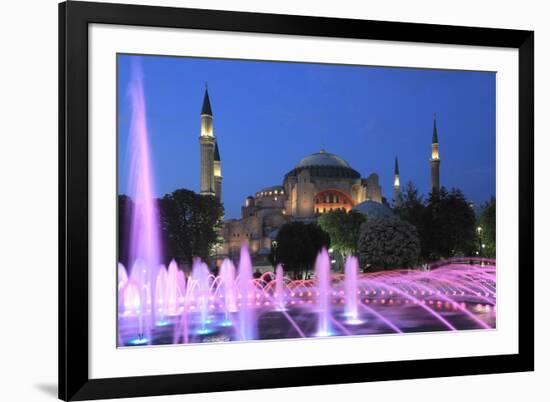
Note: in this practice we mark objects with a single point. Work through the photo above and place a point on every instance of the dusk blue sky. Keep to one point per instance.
(269, 115)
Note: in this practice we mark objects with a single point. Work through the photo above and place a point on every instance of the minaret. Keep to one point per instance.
(207, 143)
(217, 173)
(434, 161)
(396, 185)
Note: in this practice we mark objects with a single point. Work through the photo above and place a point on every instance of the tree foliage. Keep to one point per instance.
(297, 245)
(487, 222)
(413, 210)
(445, 222)
(390, 243)
(125, 211)
(190, 223)
(451, 223)
(343, 229)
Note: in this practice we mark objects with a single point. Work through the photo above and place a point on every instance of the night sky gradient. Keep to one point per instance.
(269, 115)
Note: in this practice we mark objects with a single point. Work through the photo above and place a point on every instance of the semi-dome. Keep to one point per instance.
(325, 164)
(374, 210)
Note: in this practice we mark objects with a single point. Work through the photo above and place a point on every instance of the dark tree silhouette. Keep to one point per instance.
(125, 211)
(190, 224)
(451, 224)
(297, 245)
(413, 210)
(487, 223)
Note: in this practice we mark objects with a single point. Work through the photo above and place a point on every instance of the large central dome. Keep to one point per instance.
(323, 158)
(325, 164)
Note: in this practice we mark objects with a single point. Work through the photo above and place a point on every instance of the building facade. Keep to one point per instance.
(319, 183)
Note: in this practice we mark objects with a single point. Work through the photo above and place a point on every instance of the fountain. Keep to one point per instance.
(247, 297)
(279, 288)
(200, 292)
(227, 276)
(457, 295)
(350, 285)
(144, 244)
(322, 274)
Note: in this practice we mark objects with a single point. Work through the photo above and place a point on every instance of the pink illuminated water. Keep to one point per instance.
(200, 291)
(279, 288)
(235, 306)
(144, 234)
(322, 275)
(350, 285)
(247, 297)
(144, 244)
(227, 276)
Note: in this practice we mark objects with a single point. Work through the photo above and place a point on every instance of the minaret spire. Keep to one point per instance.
(434, 133)
(208, 144)
(435, 161)
(206, 108)
(396, 185)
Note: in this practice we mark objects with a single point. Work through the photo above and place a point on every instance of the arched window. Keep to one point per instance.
(333, 200)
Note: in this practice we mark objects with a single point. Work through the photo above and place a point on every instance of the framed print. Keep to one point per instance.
(258, 201)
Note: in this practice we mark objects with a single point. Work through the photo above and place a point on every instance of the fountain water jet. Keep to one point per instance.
(246, 288)
(227, 274)
(144, 243)
(322, 274)
(350, 286)
(201, 294)
(279, 288)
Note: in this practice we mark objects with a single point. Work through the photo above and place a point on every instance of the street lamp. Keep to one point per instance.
(274, 245)
(481, 246)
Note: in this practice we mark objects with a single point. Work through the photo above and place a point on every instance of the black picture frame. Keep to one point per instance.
(74, 19)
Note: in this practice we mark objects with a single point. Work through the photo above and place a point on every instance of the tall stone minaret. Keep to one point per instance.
(217, 173)
(434, 161)
(396, 185)
(207, 143)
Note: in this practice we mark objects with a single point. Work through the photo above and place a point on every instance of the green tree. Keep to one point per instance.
(390, 243)
(451, 224)
(343, 229)
(297, 245)
(487, 223)
(190, 224)
(413, 210)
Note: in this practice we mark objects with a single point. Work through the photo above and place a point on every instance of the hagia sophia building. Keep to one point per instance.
(319, 183)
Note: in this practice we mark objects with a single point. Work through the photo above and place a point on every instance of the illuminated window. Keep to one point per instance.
(316, 210)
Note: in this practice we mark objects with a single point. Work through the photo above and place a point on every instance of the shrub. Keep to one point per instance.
(388, 244)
